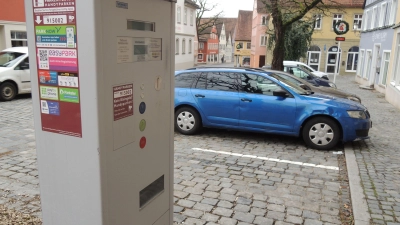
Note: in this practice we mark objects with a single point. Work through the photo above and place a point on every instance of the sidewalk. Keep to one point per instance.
(378, 158)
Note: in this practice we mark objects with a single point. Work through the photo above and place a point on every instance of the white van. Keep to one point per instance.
(15, 76)
(306, 67)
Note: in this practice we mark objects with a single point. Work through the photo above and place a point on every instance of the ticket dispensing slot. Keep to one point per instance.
(151, 191)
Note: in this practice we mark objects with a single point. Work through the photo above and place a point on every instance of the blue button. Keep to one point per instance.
(142, 107)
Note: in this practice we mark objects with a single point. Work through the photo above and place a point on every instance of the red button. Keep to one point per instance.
(142, 142)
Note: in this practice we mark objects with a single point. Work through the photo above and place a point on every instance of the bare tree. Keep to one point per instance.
(286, 12)
(203, 23)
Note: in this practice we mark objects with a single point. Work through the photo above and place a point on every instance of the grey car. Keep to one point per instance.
(311, 87)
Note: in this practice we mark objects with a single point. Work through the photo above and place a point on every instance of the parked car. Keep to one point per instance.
(311, 78)
(310, 87)
(252, 100)
(307, 68)
(14, 73)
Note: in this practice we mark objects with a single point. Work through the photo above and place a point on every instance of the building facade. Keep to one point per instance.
(185, 34)
(392, 84)
(225, 29)
(208, 47)
(12, 24)
(259, 38)
(242, 38)
(324, 53)
(376, 43)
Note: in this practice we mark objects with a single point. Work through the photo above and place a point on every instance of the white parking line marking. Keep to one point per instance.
(268, 159)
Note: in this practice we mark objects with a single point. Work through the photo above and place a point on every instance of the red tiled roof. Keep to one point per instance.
(243, 26)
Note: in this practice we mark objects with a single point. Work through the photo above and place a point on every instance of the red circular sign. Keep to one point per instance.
(142, 142)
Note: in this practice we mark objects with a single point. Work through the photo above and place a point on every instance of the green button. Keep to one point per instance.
(142, 125)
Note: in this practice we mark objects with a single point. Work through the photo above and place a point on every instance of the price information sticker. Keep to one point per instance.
(123, 101)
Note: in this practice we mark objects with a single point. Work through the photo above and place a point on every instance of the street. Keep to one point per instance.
(229, 177)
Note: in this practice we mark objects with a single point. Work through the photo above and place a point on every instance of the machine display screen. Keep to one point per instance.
(140, 49)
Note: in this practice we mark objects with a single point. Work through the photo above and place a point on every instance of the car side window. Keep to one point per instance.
(202, 81)
(23, 65)
(220, 81)
(298, 72)
(185, 80)
(257, 84)
(294, 81)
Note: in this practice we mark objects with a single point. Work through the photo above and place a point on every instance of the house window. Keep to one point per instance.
(318, 21)
(201, 45)
(185, 16)
(264, 20)
(178, 15)
(177, 46)
(366, 16)
(352, 59)
(396, 63)
(385, 66)
(183, 46)
(357, 21)
(263, 40)
(373, 18)
(190, 46)
(387, 14)
(377, 16)
(336, 18)
(248, 45)
(360, 68)
(18, 38)
(191, 17)
(393, 13)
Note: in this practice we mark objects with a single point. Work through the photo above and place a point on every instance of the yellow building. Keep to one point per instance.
(242, 37)
(323, 52)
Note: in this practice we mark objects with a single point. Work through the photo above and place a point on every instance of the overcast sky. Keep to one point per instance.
(230, 7)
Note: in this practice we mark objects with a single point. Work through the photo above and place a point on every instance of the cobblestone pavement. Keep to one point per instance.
(221, 177)
(379, 157)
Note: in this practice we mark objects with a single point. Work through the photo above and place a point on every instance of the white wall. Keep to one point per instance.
(187, 31)
(5, 33)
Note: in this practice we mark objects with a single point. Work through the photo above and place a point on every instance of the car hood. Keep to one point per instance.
(2, 69)
(336, 101)
(335, 92)
(319, 73)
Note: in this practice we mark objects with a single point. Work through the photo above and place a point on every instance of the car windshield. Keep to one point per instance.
(306, 68)
(8, 59)
(294, 87)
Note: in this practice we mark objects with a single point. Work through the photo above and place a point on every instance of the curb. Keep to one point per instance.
(358, 202)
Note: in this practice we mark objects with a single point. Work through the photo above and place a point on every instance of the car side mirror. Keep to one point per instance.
(280, 93)
(304, 86)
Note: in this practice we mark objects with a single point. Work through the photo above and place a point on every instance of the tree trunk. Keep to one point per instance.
(279, 31)
(279, 50)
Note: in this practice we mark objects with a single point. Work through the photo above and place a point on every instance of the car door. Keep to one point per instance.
(259, 109)
(23, 72)
(217, 97)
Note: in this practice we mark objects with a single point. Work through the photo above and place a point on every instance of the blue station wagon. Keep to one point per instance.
(251, 100)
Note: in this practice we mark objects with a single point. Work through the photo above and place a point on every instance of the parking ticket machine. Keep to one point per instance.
(102, 91)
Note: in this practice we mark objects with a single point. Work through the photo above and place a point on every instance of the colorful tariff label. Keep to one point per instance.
(69, 95)
(48, 93)
(56, 36)
(50, 107)
(58, 59)
(47, 77)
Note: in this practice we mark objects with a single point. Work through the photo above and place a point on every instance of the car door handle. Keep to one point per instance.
(200, 96)
(246, 100)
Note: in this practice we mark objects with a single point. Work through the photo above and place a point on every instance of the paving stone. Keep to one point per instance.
(263, 221)
(186, 203)
(223, 212)
(275, 215)
(277, 208)
(179, 218)
(227, 221)
(193, 221)
(246, 217)
(294, 211)
(242, 208)
(209, 201)
(210, 217)
(193, 213)
(257, 211)
(203, 207)
(244, 201)
(294, 219)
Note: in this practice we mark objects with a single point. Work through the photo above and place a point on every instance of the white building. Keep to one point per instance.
(185, 34)
(225, 30)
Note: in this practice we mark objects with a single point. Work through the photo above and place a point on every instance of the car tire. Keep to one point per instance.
(321, 133)
(187, 121)
(8, 91)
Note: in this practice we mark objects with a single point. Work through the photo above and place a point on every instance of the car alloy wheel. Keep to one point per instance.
(187, 120)
(7, 91)
(321, 133)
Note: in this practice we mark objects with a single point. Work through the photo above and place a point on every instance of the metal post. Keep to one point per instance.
(337, 63)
